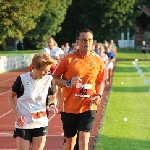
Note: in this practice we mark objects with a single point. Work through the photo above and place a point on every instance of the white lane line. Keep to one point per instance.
(51, 117)
(5, 134)
(5, 114)
(4, 92)
(54, 135)
(7, 80)
(62, 134)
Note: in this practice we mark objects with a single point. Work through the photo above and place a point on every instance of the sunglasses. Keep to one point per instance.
(86, 40)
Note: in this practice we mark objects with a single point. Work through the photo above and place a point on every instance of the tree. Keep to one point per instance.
(106, 18)
(49, 23)
(143, 2)
(18, 17)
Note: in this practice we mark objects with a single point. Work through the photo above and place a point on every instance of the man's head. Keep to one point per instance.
(51, 42)
(66, 44)
(84, 39)
(107, 48)
(111, 41)
(143, 42)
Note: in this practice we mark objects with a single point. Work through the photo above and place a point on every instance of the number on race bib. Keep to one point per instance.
(83, 90)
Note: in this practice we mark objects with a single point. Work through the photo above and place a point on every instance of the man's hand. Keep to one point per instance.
(96, 99)
(75, 80)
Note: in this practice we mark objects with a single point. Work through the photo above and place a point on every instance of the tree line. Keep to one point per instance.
(36, 20)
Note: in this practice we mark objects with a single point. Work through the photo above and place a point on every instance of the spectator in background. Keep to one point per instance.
(144, 50)
(19, 46)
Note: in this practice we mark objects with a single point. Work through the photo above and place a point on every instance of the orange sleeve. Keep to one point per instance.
(60, 68)
(100, 76)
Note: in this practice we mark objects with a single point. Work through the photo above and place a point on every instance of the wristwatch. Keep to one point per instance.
(68, 83)
(51, 104)
(100, 96)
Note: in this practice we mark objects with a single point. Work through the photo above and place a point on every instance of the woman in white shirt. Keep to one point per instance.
(32, 90)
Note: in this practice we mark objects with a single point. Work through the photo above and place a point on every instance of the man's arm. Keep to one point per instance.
(59, 81)
(100, 87)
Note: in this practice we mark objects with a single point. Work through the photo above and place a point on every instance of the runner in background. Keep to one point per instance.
(96, 50)
(53, 50)
(105, 60)
(110, 64)
(62, 48)
(32, 90)
(66, 48)
(112, 46)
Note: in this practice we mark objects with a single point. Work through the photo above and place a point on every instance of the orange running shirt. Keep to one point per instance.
(90, 69)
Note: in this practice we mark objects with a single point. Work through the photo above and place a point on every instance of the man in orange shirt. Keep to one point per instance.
(81, 77)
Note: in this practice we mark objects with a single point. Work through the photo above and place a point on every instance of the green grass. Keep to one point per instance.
(130, 100)
(6, 53)
(129, 54)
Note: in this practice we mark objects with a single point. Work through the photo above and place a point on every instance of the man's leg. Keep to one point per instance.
(84, 140)
(76, 147)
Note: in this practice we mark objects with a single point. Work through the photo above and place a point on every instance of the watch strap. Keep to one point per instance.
(100, 96)
(68, 83)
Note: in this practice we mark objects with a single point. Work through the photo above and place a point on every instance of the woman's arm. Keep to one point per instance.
(11, 101)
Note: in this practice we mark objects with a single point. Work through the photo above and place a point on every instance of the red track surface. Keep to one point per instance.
(55, 135)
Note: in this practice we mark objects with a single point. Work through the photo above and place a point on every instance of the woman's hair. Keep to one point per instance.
(107, 47)
(42, 60)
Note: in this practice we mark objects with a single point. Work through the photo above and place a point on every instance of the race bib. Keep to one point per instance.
(83, 90)
(37, 115)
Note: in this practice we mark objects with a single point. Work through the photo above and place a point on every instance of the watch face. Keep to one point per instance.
(68, 83)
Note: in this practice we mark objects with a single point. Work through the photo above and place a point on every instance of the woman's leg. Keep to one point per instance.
(22, 144)
(38, 143)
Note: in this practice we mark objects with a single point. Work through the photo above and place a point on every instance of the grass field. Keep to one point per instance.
(130, 54)
(126, 121)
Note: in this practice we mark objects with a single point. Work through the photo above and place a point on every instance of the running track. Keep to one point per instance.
(55, 134)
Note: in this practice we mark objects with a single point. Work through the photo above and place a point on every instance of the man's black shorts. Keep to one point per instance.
(77, 122)
(143, 51)
(28, 134)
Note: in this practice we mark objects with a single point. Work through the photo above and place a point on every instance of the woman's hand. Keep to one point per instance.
(53, 109)
(20, 120)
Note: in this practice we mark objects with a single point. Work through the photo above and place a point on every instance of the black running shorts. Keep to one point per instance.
(73, 123)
